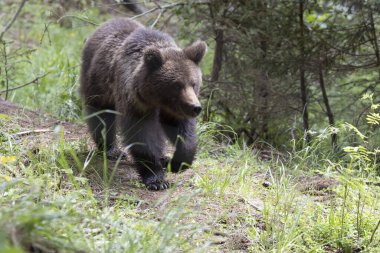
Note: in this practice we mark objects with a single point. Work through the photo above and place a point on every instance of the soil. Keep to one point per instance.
(36, 129)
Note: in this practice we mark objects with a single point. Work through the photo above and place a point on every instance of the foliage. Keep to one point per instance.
(264, 49)
(366, 150)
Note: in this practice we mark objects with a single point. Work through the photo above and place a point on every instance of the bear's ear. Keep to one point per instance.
(196, 51)
(153, 58)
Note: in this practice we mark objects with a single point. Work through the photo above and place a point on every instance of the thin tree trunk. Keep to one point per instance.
(374, 38)
(216, 65)
(263, 96)
(259, 127)
(262, 107)
(373, 30)
(303, 88)
(329, 112)
(218, 56)
(5, 57)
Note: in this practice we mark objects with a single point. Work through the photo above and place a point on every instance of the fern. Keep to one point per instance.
(366, 153)
(373, 118)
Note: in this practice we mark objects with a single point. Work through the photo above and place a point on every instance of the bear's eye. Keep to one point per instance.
(177, 85)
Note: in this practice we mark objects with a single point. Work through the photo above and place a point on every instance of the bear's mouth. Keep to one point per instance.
(182, 107)
(190, 110)
(179, 112)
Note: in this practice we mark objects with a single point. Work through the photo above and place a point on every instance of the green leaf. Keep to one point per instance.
(373, 118)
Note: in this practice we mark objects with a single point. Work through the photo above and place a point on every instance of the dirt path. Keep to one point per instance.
(36, 130)
(36, 127)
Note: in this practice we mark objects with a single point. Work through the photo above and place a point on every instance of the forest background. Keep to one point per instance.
(290, 96)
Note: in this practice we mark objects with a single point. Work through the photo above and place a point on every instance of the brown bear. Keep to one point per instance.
(139, 78)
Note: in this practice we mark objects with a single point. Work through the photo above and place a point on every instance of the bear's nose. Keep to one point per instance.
(197, 109)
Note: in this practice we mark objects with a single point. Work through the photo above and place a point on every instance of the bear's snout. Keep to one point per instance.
(191, 110)
(191, 105)
(197, 110)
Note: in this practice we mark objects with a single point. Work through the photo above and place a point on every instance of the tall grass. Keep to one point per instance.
(48, 205)
(287, 216)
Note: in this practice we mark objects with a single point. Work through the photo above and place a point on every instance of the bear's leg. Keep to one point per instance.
(99, 121)
(182, 134)
(143, 137)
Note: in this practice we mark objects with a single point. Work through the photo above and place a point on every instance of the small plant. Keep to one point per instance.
(364, 155)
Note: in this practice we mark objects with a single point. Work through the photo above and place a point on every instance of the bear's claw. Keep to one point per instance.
(158, 185)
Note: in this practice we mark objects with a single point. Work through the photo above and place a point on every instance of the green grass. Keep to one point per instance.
(57, 195)
(48, 204)
(294, 220)
(51, 200)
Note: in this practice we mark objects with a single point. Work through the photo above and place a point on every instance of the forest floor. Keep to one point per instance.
(225, 215)
(36, 129)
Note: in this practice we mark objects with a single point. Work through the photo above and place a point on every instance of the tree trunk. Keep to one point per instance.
(218, 55)
(329, 112)
(262, 111)
(303, 88)
(5, 57)
(218, 58)
(374, 38)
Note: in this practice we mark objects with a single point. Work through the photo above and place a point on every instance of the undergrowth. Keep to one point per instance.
(59, 198)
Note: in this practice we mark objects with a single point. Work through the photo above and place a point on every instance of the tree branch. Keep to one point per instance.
(25, 84)
(79, 18)
(157, 8)
(36, 131)
(8, 26)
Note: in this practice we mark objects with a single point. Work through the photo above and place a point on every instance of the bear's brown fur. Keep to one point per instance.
(140, 77)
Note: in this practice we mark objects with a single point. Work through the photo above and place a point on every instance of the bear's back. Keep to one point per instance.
(142, 38)
(99, 52)
(110, 34)
(112, 55)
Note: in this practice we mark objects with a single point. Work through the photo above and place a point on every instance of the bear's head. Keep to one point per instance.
(173, 78)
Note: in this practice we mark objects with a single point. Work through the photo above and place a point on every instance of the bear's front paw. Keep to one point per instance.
(158, 186)
(155, 184)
